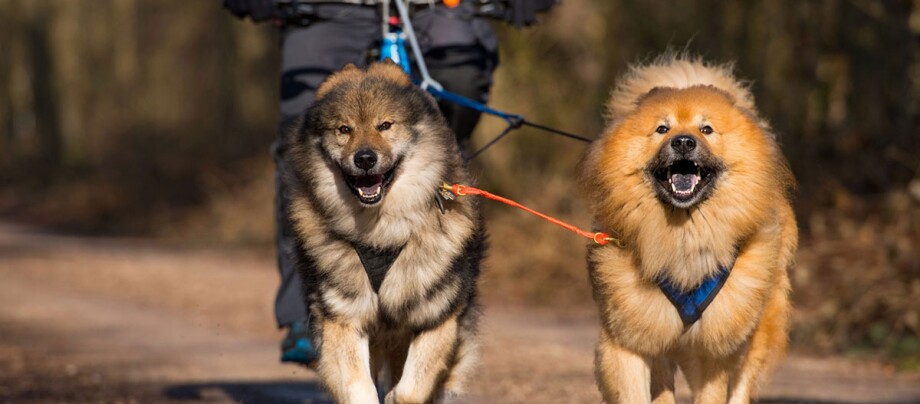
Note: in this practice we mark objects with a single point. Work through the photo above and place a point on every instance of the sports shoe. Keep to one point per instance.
(296, 346)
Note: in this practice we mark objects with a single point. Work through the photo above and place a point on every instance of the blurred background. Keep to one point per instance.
(153, 119)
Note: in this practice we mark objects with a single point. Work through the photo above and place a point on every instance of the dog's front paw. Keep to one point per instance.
(360, 393)
(397, 397)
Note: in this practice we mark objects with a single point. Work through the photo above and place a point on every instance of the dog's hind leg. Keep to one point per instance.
(344, 364)
(426, 364)
(622, 375)
(708, 377)
(393, 356)
(663, 370)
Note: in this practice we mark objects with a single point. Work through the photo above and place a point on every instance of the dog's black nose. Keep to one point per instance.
(365, 159)
(683, 143)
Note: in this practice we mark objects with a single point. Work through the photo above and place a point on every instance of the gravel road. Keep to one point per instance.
(125, 320)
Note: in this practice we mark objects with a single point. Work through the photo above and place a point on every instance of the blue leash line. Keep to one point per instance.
(393, 47)
(513, 120)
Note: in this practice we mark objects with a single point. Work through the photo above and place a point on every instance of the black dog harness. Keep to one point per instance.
(691, 304)
(376, 262)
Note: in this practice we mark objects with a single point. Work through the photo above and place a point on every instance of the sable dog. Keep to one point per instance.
(692, 180)
(391, 268)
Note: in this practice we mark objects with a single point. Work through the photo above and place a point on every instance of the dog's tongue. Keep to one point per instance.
(369, 184)
(684, 182)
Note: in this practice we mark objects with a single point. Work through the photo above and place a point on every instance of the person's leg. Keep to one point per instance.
(309, 55)
(461, 53)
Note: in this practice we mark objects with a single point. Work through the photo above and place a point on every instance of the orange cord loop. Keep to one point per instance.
(599, 238)
(603, 238)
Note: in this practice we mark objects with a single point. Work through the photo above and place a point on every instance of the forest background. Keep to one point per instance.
(153, 119)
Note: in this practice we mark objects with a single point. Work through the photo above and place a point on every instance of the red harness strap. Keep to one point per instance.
(460, 190)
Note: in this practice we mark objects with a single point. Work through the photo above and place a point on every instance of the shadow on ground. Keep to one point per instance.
(281, 392)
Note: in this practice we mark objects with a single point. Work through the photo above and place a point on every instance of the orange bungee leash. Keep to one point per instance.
(689, 304)
(457, 190)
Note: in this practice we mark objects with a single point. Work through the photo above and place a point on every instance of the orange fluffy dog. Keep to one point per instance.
(693, 182)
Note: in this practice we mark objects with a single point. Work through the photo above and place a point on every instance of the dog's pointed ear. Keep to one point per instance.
(349, 72)
(660, 89)
(390, 71)
(655, 92)
(728, 96)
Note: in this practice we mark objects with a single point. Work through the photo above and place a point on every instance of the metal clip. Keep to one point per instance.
(446, 192)
(439, 199)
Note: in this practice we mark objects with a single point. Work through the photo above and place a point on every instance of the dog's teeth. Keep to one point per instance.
(368, 195)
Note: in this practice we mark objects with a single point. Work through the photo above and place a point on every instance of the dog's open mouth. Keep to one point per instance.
(370, 188)
(684, 181)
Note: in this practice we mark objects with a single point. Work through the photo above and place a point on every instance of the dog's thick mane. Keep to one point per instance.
(679, 71)
(409, 204)
(706, 236)
(431, 159)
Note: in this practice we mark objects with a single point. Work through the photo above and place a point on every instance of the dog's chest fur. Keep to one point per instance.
(432, 275)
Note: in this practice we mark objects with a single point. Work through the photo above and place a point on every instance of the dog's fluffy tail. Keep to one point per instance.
(676, 71)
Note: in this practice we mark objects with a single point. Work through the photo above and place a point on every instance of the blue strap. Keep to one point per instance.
(512, 119)
(393, 48)
(691, 304)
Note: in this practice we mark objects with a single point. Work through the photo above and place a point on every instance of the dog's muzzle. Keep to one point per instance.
(684, 171)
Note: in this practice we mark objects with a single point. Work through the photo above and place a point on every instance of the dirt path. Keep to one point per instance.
(104, 320)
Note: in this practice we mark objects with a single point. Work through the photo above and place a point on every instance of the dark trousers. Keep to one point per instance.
(460, 51)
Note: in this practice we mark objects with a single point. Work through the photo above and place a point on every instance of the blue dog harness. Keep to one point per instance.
(691, 304)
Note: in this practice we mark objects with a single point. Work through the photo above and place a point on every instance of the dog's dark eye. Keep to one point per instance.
(345, 129)
(662, 129)
(706, 130)
(384, 126)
